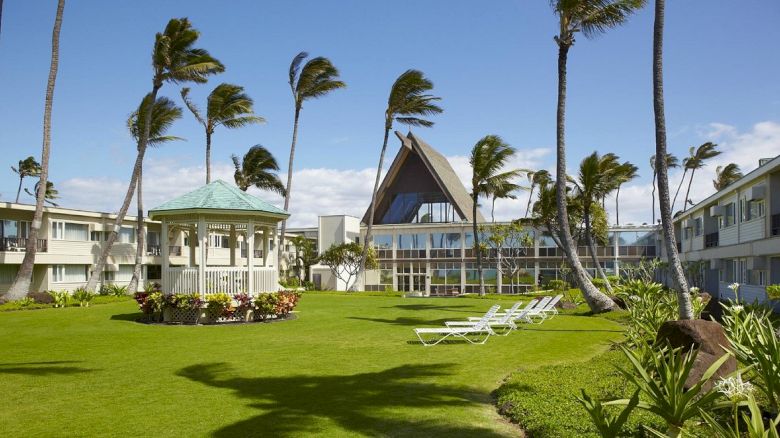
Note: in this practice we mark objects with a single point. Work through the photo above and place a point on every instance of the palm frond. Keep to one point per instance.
(294, 67)
(409, 102)
(164, 114)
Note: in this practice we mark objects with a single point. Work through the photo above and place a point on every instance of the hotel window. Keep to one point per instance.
(755, 209)
(411, 241)
(97, 236)
(8, 273)
(547, 246)
(69, 231)
(386, 274)
(219, 241)
(19, 229)
(126, 235)
(728, 217)
(69, 273)
(444, 245)
(639, 243)
(383, 241)
(697, 226)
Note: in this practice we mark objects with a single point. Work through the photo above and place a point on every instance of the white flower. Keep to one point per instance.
(635, 298)
(734, 388)
(734, 286)
(694, 290)
(737, 308)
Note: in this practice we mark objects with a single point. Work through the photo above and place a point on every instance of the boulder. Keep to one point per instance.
(706, 336)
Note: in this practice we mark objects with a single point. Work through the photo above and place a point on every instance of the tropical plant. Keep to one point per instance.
(662, 385)
(591, 17)
(409, 104)
(227, 105)
(512, 241)
(625, 173)
(726, 175)
(218, 304)
(26, 167)
(676, 271)
(258, 168)
(50, 193)
(23, 279)
(174, 59)
(504, 190)
(671, 162)
(754, 423)
(608, 425)
(315, 79)
(489, 157)
(265, 305)
(83, 296)
(698, 159)
(773, 292)
(164, 113)
(305, 253)
(538, 178)
(344, 261)
(60, 298)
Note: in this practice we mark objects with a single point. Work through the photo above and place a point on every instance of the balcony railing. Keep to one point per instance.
(776, 224)
(153, 250)
(19, 244)
(258, 254)
(174, 250)
(711, 240)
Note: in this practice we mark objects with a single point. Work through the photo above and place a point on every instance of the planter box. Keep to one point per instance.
(182, 316)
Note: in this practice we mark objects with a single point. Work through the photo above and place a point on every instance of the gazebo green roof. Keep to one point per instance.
(217, 195)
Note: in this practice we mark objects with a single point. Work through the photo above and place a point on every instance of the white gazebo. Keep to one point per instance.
(219, 209)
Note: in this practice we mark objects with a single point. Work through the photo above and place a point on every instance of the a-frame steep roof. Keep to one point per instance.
(439, 169)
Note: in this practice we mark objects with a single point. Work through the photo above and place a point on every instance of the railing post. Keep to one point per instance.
(165, 263)
(203, 241)
(250, 257)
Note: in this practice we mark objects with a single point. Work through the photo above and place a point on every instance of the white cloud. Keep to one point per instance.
(762, 140)
(321, 191)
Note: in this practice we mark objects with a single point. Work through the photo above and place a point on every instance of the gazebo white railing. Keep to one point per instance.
(222, 279)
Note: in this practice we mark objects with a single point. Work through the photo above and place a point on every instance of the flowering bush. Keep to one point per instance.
(286, 302)
(265, 305)
(219, 304)
(773, 292)
(243, 301)
(183, 301)
(149, 302)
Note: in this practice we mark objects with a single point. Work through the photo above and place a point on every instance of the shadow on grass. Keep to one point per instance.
(535, 329)
(134, 317)
(405, 321)
(450, 308)
(55, 367)
(366, 403)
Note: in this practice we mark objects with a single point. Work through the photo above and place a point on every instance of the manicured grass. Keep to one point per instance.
(348, 366)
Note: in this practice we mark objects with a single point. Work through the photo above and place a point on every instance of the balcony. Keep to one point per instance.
(174, 250)
(711, 240)
(776, 224)
(19, 244)
(258, 254)
(153, 250)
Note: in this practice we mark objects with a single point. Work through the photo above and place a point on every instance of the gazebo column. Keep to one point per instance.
(193, 239)
(164, 255)
(266, 245)
(203, 242)
(250, 257)
(232, 244)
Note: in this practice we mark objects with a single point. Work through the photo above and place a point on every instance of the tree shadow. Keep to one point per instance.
(449, 308)
(43, 368)
(404, 321)
(534, 329)
(134, 317)
(296, 404)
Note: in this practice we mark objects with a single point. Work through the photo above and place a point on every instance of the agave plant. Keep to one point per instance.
(608, 425)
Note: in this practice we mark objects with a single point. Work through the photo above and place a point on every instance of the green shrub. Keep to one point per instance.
(614, 280)
(265, 304)
(218, 304)
(83, 297)
(557, 285)
(773, 292)
(543, 401)
(599, 283)
(59, 298)
(26, 302)
(113, 290)
(41, 297)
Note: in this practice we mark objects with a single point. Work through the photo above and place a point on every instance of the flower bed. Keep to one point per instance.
(216, 308)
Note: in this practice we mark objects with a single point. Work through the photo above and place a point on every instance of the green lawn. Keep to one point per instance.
(348, 366)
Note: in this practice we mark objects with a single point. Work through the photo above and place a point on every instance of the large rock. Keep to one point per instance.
(706, 336)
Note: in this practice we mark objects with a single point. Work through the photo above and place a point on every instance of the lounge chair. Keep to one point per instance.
(504, 321)
(514, 310)
(545, 309)
(481, 329)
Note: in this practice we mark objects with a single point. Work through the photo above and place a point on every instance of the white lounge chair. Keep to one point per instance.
(514, 310)
(504, 321)
(545, 309)
(481, 329)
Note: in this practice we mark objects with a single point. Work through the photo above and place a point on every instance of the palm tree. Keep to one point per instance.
(591, 17)
(537, 178)
(677, 273)
(726, 175)
(228, 106)
(671, 162)
(682, 180)
(27, 167)
(21, 284)
(49, 194)
(488, 158)
(697, 160)
(625, 173)
(596, 178)
(174, 59)
(258, 168)
(315, 79)
(408, 104)
(505, 190)
(164, 113)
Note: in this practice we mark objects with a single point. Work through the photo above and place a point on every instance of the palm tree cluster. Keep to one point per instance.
(697, 158)
(726, 175)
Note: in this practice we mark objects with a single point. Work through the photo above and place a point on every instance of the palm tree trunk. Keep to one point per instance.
(1, 13)
(688, 191)
(493, 211)
(21, 285)
(208, 157)
(142, 142)
(674, 202)
(530, 196)
(361, 274)
(288, 188)
(477, 248)
(592, 249)
(597, 301)
(140, 237)
(617, 205)
(19, 190)
(654, 177)
(677, 274)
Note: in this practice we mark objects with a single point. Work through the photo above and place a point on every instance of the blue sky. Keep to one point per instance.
(493, 63)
